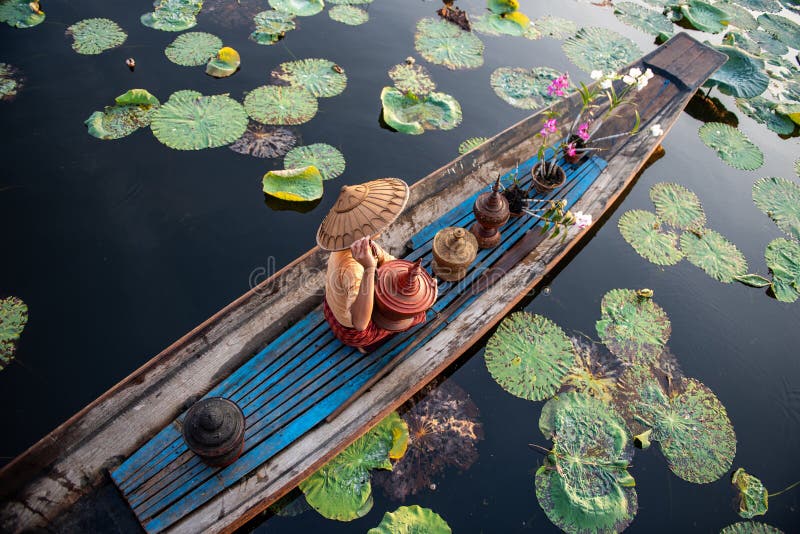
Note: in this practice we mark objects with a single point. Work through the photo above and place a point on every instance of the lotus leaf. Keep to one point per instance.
(750, 527)
(412, 78)
(584, 485)
(595, 372)
(524, 88)
(642, 230)
(350, 2)
(350, 15)
(327, 159)
(136, 97)
(785, 30)
(513, 24)
(600, 49)
(301, 8)
(732, 146)
(10, 82)
(13, 318)
(555, 27)
(634, 328)
(704, 16)
(501, 7)
(717, 256)
(320, 77)
(444, 43)
(753, 496)
(738, 16)
(173, 15)
(341, 488)
(779, 198)
(658, 3)
(280, 105)
(753, 280)
(770, 6)
(193, 49)
(768, 42)
(409, 519)
(741, 76)
(413, 115)
(677, 206)
(190, 122)
(532, 33)
(271, 26)
(93, 36)
(529, 356)
(642, 18)
(120, 120)
(294, 184)
(225, 63)
(742, 42)
(264, 141)
(471, 144)
(783, 259)
(21, 13)
(790, 111)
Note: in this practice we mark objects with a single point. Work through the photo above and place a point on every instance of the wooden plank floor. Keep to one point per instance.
(300, 378)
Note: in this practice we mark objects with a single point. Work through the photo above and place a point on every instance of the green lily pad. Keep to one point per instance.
(190, 122)
(471, 144)
(596, 370)
(280, 105)
(790, 111)
(785, 30)
(644, 19)
(350, 15)
(741, 76)
(717, 256)
(271, 26)
(136, 97)
(412, 78)
(133, 110)
(764, 111)
(732, 146)
(783, 259)
(741, 41)
(704, 16)
(21, 13)
(583, 485)
(738, 16)
(408, 519)
(779, 199)
(341, 488)
(93, 36)
(350, 2)
(327, 159)
(501, 7)
(444, 43)
(634, 328)
(770, 6)
(642, 230)
(172, 15)
(320, 77)
(225, 63)
(555, 27)
(13, 318)
(297, 184)
(193, 49)
(753, 496)
(493, 24)
(10, 82)
(600, 49)
(301, 8)
(262, 141)
(677, 206)
(529, 356)
(532, 32)
(413, 115)
(750, 527)
(768, 42)
(524, 88)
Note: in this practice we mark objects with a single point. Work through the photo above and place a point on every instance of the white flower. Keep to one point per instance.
(606, 84)
(582, 220)
(656, 131)
(629, 80)
(596, 74)
(635, 73)
(641, 81)
(648, 74)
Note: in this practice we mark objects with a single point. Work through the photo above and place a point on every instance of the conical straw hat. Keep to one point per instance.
(362, 210)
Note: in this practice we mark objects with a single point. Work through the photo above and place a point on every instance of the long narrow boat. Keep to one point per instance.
(271, 351)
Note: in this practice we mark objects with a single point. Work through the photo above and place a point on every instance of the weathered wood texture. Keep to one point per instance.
(71, 460)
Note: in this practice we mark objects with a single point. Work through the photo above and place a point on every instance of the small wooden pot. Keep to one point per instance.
(548, 185)
(491, 212)
(454, 250)
(579, 144)
(214, 430)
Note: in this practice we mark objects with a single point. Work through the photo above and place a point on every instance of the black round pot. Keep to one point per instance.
(550, 181)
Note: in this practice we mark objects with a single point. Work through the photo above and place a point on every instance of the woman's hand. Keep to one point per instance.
(362, 252)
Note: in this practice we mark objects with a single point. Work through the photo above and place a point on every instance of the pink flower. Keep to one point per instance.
(583, 131)
(558, 85)
(571, 152)
(550, 126)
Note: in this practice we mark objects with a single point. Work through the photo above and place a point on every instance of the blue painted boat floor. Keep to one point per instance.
(301, 377)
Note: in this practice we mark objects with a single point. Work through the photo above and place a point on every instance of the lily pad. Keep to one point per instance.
(172, 15)
(677, 206)
(704, 16)
(785, 30)
(350, 15)
(444, 43)
(341, 489)
(753, 496)
(732, 146)
(524, 88)
(738, 16)
(642, 230)
(634, 328)
(297, 184)
(413, 115)
(225, 63)
(750, 527)
(717, 256)
(21, 13)
(600, 49)
(741, 41)
(280, 105)
(513, 24)
(768, 42)
(583, 485)
(271, 26)
(642, 18)
(93, 36)
(133, 110)
(10, 82)
(136, 97)
(411, 519)
(412, 78)
(471, 144)
(779, 198)
(596, 370)
(764, 111)
(790, 111)
(193, 49)
(741, 76)
(783, 260)
(327, 159)
(555, 27)
(301, 8)
(770, 6)
(13, 318)
(501, 7)
(529, 356)
(320, 77)
(190, 122)
(264, 141)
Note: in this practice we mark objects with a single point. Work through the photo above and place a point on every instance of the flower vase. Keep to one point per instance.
(553, 179)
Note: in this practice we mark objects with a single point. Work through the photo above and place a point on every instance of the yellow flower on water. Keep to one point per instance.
(228, 55)
(521, 19)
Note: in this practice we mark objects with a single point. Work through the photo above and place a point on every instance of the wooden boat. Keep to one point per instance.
(271, 351)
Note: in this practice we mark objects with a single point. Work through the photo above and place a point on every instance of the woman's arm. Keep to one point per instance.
(361, 311)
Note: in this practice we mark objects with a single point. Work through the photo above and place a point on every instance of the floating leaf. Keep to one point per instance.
(412, 78)
(741, 76)
(785, 30)
(301, 8)
(277, 104)
(768, 42)
(271, 26)
(763, 111)
(412, 115)
(264, 141)
(471, 144)
(790, 111)
(193, 49)
(21, 13)
(584, 485)
(738, 16)
(753, 496)
(408, 519)
(491, 24)
(600, 49)
(133, 110)
(642, 230)
(741, 41)
(10, 82)
(750, 527)
(172, 15)
(190, 122)
(771, 6)
(225, 63)
(783, 259)
(350, 15)
(704, 16)
(136, 97)
(634, 328)
(295, 184)
(779, 198)
(13, 318)
(642, 18)
(320, 77)
(501, 7)
(93, 36)
(341, 488)
(595, 372)
(732, 146)
(677, 206)
(444, 43)
(555, 27)
(752, 280)
(529, 356)
(717, 256)
(524, 88)
(327, 159)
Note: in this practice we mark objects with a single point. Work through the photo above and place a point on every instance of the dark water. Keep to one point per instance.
(120, 247)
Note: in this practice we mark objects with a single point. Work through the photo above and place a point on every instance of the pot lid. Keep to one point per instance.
(455, 246)
(213, 426)
(492, 203)
(405, 287)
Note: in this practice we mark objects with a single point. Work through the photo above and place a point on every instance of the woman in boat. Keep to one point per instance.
(360, 213)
